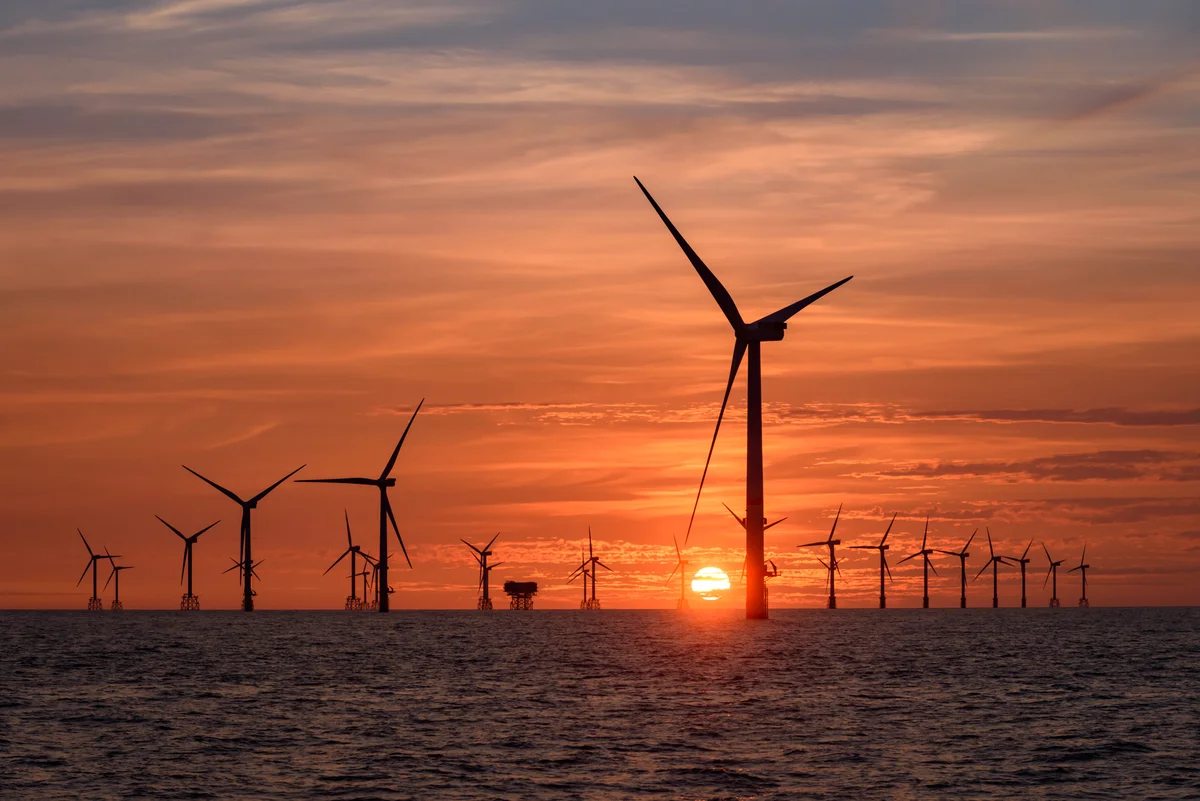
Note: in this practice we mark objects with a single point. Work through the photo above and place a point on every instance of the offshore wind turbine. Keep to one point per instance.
(582, 570)
(1083, 569)
(594, 561)
(94, 603)
(189, 602)
(833, 561)
(995, 562)
(882, 547)
(385, 508)
(748, 338)
(770, 571)
(1052, 573)
(924, 554)
(115, 574)
(1022, 562)
(481, 557)
(353, 604)
(962, 563)
(245, 541)
(681, 565)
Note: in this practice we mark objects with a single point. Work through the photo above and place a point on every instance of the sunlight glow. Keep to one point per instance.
(709, 583)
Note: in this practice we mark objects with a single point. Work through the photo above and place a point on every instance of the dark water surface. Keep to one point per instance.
(1039, 703)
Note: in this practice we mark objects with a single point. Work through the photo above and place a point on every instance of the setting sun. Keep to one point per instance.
(710, 582)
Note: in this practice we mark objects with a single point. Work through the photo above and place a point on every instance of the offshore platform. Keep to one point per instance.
(520, 594)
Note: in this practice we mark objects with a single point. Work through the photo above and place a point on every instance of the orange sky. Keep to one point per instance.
(249, 235)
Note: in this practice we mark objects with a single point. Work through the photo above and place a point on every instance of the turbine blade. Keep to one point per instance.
(786, 313)
(489, 545)
(1049, 558)
(214, 485)
(111, 573)
(1083, 557)
(776, 523)
(178, 533)
(991, 550)
(742, 577)
(335, 564)
(715, 287)
(668, 581)
(85, 571)
(606, 567)
(369, 481)
(196, 536)
(811, 544)
(888, 569)
(493, 567)
(349, 540)
(85, 543)
(835, 522)
(392, 517)
(905, 559)
(268, 490)
(741, 521)
(968, 545)
(678, 554)
(929, 562)
(1027, 547)
(183, 567)
(985, 567)
(472, 547)
(889, 528)
(392, 461)
(739, 350)
(948, 553)
(1047, 579)
(925, 536)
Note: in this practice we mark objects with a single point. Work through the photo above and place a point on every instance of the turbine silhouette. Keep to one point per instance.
(882, 547)
(747, 338)
(832, 565)
(962, 562)
(924, 554)
(189, 602)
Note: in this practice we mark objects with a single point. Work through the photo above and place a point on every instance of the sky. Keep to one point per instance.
(245, 236)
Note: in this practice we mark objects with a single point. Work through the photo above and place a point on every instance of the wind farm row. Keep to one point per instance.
(756, 568)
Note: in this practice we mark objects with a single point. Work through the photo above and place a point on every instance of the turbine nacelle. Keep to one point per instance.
(762, 331)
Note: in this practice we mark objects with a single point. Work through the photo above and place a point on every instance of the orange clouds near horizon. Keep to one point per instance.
(249, 235)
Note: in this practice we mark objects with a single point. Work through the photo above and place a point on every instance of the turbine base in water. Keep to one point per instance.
(189, 603)
(95, 605)
(593, 603)
(117, 606)
(1083, 603)
(353, 604)
(484, 604)
(1055, 603)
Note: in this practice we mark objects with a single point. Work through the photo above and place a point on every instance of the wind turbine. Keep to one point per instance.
(962, 563)
(833, 561)
(995, 562)
(1083, 569)
(244, 540)
(830, 567)
(594, 561)
(924, 554)
(189, 602)
(882, 547)
(681, 565)
(115, 574)
(769, 569)
(353, 604)
(1052, 573)
(385, 508)
(245, 569)
(94, 603)
(1022, 562)
(747, 337)
(481, 557)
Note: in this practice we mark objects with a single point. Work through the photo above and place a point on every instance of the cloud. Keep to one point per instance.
(1098, 466)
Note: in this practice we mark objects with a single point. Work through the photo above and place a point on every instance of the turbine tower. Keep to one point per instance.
(833, 561)
(1083, 569)
(353, 603)
(924, 554)
(995, 562)
(1052, 573)
(481, 557)
(1024, 560)
(962, 563)
(94, 603)
(593, 562)
(115, 577)
(385, 510)
(245, 542)
(189, 602)
(882, 547)
(769, 569)
(681, 565)
(582, 570)
(747, 337)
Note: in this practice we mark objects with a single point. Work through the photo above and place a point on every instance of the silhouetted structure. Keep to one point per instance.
(520, 594)
(115, 577)
(94, 603)
(1083, 569)
(833, 560)
(190, 602)
(962, 563)
(680, 565)
(582, 570)
(995, 562)
(589, 565)
(747, 337)
(1024, 560)
(353, 603)
(481, 557)
(769, 569)
(245, 558)
(882, 547)
(928, 565)
(1052, 573)
(385, 510)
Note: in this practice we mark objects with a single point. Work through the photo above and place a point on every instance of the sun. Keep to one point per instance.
(709, 583)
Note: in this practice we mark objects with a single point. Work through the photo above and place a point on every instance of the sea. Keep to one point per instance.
(812, 704)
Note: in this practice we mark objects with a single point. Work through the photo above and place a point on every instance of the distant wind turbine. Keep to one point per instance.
(189, 602)
(485, 571)
(882, 547)
(94, 603)
(832, 565)
(115, 577)
(1083, 569)
(1024, 560)
(924, 554)
(1052, 573)
(994, 562)
(747, 337)
(681, 566)
(353, 551)
(385, 509)
(962, 563)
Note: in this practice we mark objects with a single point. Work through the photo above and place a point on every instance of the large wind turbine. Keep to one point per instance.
(245, 561)
(1052, 572)
(94, 603)
(189, 602)
(1024, 560)
(883, 565)
(833, 560)
(924, 554)
(481, 557)
(994, 562)
(962, 563)
(385, 510)
(747, 337)
(1083, 569)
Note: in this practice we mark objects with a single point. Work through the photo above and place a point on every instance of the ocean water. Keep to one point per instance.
(1038, 703)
